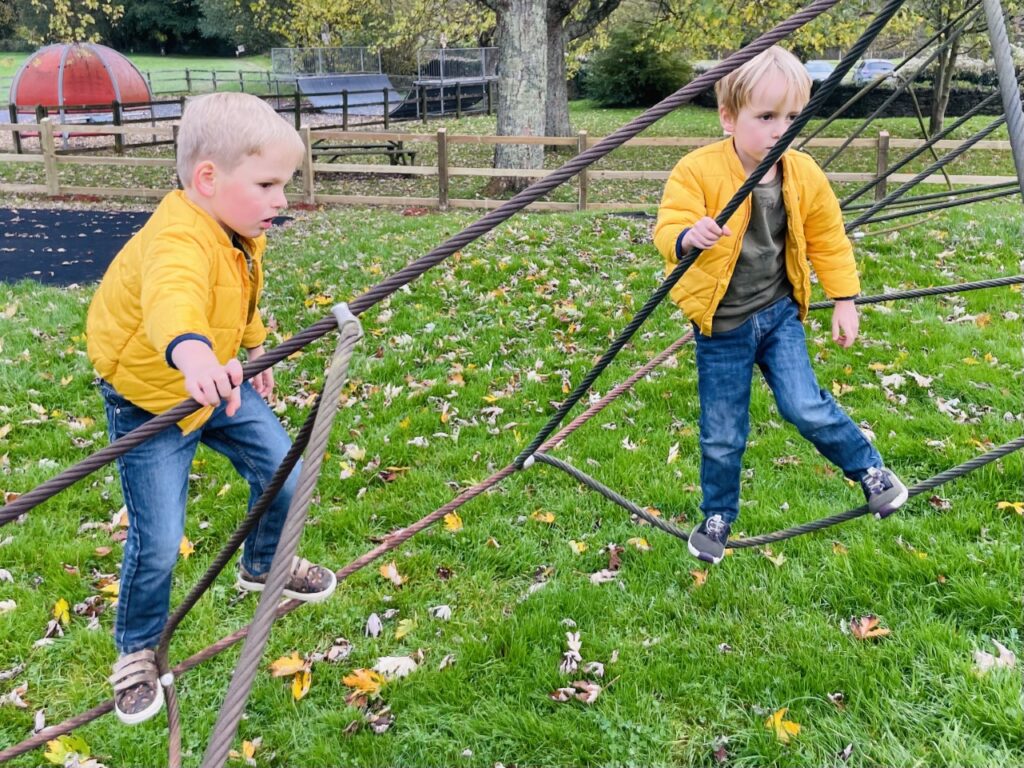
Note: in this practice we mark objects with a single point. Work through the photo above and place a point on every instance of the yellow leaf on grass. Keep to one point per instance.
(452, 522)
(186, 547)
(365, 681)
(970, 361)
(288, 665)
(63, 749)
(60, 611)
(638, 542)
(405, 626)
(577, 547)
(113, 589)
(838, 548)
(866, 627)
(5, 430)
(543, 517)
(301, 683)
(699, 577)
(784, 729)
(1016, 506)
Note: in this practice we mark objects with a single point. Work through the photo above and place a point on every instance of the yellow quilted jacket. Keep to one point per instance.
(703, 182)
(178, 276)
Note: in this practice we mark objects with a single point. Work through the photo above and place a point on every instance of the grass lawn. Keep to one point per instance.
(455, 375)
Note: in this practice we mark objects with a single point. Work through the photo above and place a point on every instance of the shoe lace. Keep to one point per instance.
(715, 526)
(876, 481)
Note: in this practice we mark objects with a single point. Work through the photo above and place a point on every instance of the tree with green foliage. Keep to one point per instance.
(164, 26)
(631, 71)
(70, 21)
(8, 18)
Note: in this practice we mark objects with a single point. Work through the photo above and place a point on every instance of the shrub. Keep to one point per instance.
(632, 72)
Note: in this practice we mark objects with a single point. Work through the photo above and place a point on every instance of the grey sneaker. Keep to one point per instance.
(137, 692)
(707, 540)
(883, 491)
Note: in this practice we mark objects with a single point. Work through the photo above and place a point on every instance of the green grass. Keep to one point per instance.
(543, 294)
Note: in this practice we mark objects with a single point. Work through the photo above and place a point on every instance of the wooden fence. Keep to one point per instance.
(442, 169)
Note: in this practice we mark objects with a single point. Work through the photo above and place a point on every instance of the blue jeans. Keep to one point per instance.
(154, 479)
(773, 339)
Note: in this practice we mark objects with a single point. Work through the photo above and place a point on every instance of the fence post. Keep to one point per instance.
(581, 147)
(344, 110)
(115, 108)
(298, 109)
(442, 169)
(188, 80)
(423, 103)
(458, 99)
(308, 193)
(174, 138)
(490, 96)
(241, 80)
(15, 134)
(49, 157)
(387, 110)
(881, 163)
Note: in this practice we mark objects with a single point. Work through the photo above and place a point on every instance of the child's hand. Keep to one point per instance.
(262, 382)
(704, 234)
(206, 380)
(845, 323)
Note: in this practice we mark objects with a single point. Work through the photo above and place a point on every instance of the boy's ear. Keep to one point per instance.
(203, 176)
(727, 120)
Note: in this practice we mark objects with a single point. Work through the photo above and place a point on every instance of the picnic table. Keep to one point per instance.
(395, 151)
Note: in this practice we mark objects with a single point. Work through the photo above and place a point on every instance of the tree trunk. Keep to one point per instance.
(556, 122)
(942, 84)
(522, 84)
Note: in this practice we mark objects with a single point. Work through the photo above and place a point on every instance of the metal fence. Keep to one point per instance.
(457, 63)
(296, 62)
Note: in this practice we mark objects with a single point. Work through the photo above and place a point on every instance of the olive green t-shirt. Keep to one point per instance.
(759, 279)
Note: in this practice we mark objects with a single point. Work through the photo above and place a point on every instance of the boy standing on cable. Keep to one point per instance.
(167, 322)
(749, 290)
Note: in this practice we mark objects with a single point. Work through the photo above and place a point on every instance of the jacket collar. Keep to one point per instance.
(179, 199)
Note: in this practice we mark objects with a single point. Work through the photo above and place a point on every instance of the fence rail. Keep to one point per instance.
(52, 159)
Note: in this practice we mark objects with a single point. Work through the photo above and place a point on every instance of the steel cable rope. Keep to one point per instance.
(1007, 83)
(940, 163)
(904, 84)
(418, 267)
(797, 530)
(927, 145)
(874, 84)
(230, 713)
(940, 206)
(877, 24)
(945, 194)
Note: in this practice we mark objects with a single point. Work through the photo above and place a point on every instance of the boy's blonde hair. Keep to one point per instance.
(735, 89)
(228, 127)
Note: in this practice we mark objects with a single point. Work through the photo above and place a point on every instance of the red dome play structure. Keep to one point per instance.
(68, 76)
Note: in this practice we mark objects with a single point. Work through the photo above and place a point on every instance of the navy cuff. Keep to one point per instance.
(679, 244)
(178, 340)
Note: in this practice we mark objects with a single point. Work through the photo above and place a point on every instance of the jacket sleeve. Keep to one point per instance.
(682, 205)
(175, 288)
(828, 247)
(255, 333)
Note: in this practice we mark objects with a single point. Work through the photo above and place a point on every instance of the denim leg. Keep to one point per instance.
(725, 364)
(154, 479)
(783, 359)
(255, 443)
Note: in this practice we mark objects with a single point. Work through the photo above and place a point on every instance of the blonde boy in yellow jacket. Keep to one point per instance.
(748, 291)
(167, 322)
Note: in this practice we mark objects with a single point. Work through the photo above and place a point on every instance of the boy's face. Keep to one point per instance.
(759, 124)
(245, 199)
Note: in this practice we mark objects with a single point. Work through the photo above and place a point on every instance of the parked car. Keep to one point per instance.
(870, 69)
(817, 69)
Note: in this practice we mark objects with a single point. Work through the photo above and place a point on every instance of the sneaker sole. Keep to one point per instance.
(134, 718)
(892, 506)
(304, 597)
(703, 555)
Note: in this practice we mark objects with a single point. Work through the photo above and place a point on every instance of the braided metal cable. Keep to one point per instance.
(927, 145)
(280, 570)
(874, 84)
(416, 268)
(905, 84)
(916, 293)
(773, 155)
(944, 194)
(940, 163)
(1007, 83)
(796, 530)
(942, 206)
